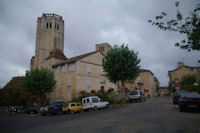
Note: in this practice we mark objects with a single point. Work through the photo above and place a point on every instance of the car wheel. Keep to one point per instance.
(71, 112)
(107, 106)
(95, 108)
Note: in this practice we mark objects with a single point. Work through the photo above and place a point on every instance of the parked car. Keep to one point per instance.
(189, 100)
(18, 109)
(136, 95)
(72, 108)
(94, 102)
(56, 107)
(175, 97)
(44, 110)
(31, 110)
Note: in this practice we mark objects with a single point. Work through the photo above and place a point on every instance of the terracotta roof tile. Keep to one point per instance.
(56, 53)
(73, 59)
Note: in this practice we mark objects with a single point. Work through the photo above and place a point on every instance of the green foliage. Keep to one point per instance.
(39, 82)
(121, 64)
(190, 83)
(188, 26)
(171, 87)
(13, 94)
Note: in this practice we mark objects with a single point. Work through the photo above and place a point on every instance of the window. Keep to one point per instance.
(55, 26)
(109, 84)
(102, 71)
(71, 67)
(95, 100)
(101, 100)
(138, 79)
(84, 101)
(72, 105)
(89, 81)
(63, 68)
(58, 27)
(78, 104)
(55, 69)
(50, 25)
(88, 100)
(47, 25)
(57, 94)
(69, 83)
(89, 68)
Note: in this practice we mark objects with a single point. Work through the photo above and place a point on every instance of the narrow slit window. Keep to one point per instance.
(50, 25)
(47, 25)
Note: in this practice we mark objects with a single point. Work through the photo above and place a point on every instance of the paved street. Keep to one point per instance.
(157, 115)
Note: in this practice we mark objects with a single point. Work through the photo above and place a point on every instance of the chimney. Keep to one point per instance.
(180, 64)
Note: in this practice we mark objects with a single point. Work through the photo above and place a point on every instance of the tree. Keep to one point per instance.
(121, 64)
(13, 93)
(187, 26)
(39, 82)
(190, 83)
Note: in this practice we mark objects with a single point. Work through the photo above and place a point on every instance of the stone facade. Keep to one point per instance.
(145, 81)
(50, 35)
(80, 74)
(182, 70)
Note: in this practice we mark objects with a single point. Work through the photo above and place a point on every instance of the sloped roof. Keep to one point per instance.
(146, 70)
(57, 53)
(73, 59)
(184, 66)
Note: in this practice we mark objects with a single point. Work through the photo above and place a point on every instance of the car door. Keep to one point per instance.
(73, 107)
(102, 103)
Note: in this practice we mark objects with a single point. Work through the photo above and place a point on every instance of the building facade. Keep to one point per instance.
(181, 71)
(145, 82)
(83, 73)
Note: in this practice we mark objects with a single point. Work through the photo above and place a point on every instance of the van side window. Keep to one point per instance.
(84, 100)
(95, 100)
(88, 100)
(101, 100)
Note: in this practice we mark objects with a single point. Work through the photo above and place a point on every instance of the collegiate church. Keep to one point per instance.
(76, 75)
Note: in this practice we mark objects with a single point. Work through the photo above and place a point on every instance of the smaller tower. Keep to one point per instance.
(103, 47)
(180, 64)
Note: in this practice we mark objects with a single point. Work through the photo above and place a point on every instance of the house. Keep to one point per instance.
(181, 71)
(145, 82)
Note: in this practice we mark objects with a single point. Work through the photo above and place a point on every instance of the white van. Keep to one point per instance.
(94, 102)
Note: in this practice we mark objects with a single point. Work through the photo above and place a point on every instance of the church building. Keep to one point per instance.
(74, 76)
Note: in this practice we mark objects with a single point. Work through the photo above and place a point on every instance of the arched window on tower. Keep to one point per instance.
(50, 25)
(47, 25)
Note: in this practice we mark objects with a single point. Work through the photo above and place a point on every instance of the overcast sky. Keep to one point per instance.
(89, 22)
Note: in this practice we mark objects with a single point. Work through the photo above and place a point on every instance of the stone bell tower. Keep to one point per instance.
(49, 36)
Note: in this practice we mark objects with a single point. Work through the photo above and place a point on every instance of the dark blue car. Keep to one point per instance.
(189, 100)
(56, 107)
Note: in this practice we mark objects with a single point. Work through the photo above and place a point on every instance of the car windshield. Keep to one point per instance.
(95, 100)
(190, 95)
(133, 93)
